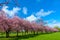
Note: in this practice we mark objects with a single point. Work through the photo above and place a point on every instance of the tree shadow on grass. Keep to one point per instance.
(29, 36)
(20, 36)
(24, 36)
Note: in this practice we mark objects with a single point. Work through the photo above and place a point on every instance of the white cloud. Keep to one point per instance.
(42, 13)
(53, 23)
(24, 10)
(31, 18)
(12, 12)
(38, 15)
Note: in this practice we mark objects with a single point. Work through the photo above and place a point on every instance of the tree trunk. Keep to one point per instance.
(34, 32)
(17, 33)
(37, 32)
(25, 32)
(7, 34)
(22, 33)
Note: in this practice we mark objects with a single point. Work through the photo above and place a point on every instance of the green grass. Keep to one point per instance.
(50, 36)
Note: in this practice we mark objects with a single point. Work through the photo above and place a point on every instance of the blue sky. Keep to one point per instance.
(48, 10)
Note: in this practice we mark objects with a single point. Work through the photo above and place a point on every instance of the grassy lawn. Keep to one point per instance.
(50, 36)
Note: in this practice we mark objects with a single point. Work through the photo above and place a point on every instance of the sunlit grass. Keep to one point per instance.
(52, 36)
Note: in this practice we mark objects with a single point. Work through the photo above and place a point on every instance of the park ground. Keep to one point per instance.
(40, 36)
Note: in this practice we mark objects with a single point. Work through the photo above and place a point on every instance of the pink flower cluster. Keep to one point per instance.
(18, 24)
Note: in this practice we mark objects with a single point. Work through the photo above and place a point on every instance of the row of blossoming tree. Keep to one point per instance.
(20, 25)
